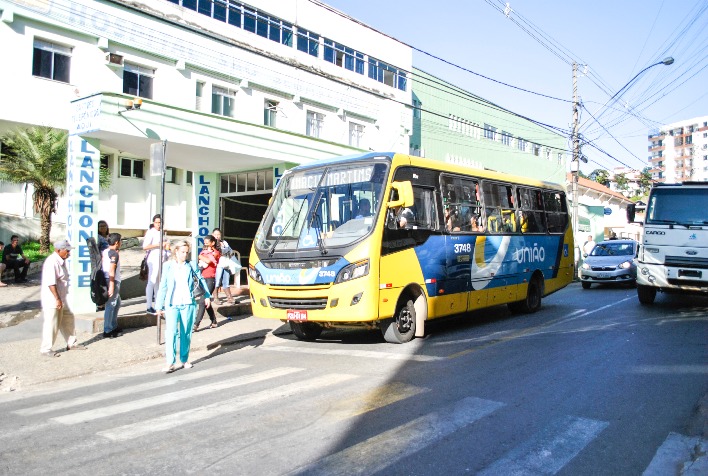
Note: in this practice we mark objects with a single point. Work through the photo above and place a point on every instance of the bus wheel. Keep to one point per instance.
(306, 330)
(532, 303)
(646, 294)
(401, 328)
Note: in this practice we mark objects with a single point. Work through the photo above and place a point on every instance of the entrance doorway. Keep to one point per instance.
(240, 217)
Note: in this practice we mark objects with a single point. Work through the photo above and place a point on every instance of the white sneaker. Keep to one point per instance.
(187, 365)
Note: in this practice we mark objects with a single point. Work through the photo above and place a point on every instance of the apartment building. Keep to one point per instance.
(678, 152)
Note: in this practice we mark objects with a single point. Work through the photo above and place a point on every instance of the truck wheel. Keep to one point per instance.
(306, 330)
(646, 294)
(401, 328)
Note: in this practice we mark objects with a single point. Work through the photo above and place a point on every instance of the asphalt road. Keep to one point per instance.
(593, 384)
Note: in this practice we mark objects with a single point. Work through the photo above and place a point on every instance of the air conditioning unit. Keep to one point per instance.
(113, 59)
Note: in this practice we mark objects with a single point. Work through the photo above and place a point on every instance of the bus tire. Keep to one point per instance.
(306, 330)
(532, 302)
(646, 294)
(401, 328)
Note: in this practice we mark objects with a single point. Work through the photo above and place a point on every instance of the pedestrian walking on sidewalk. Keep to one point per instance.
(223, 276)
(57, 317)
(156, 252)
(111, 269)
(208, 261)
(2, 266)
(175, 302)
(102, 232)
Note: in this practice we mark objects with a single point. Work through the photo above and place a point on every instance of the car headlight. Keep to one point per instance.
(255, 275)
(585, 266)
(625, 265)
(353, 271)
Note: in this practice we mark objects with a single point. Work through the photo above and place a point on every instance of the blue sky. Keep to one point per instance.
(616, 40)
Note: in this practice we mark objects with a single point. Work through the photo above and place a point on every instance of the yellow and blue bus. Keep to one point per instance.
(390, 241)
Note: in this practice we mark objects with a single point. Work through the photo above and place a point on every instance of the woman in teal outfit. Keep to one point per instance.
(175, 302)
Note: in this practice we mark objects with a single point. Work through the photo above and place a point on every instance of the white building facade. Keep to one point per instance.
(678, 152)
(238, 91)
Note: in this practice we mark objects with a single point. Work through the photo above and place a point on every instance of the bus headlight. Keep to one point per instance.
(353, 271)
(625, 265)
(255, 275)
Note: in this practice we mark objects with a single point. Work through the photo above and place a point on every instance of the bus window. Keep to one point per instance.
(556, 211)
(531, 216)
(499, 205)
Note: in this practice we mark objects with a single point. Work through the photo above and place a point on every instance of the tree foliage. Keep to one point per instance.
(600, 176)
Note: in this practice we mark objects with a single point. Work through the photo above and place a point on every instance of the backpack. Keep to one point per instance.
(99, 285)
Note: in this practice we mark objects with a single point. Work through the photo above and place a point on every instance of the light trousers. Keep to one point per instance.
(178, 326)
(56, 320)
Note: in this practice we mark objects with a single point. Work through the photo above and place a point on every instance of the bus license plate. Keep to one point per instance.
(297, 315)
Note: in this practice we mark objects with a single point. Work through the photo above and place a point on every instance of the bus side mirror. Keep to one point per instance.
(631, 208)
(405, 195)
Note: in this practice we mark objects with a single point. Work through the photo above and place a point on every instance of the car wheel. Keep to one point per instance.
(306, 330)
(586, 285)
(646, 294)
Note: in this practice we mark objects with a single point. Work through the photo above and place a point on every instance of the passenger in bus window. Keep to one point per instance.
(475, 224)
(364, 208)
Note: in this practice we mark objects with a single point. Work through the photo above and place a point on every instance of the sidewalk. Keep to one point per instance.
(22, 366)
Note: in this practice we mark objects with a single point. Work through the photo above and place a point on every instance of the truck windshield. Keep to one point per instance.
(323, 207)
(679, 205)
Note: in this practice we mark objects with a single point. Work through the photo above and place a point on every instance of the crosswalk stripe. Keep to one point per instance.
(378, 452)
(550, 449)
(112, 410)
(224, 407)
(128, 390)
(355, 353)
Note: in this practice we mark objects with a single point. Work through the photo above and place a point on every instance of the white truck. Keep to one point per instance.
(673, 253)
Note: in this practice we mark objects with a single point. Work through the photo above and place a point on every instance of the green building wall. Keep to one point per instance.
(449, 125)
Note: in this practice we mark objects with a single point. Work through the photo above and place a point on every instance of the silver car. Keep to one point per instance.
(610, 262)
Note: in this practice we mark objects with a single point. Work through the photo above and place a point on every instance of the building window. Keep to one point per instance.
(521, 144)
(247, 182)
(356, 134)
(308, 42)
(137, 81)
(51, 61)
(131, 167)
(170, 174)
(343, 56)
(199, 94)
(490, 132)
(267, 26)
(417, 105)
(387, 74)
(189, 177)
(270, 111)
(536, 150)
(315, 121)
(105, 164)
(506, 138)
(222, 101)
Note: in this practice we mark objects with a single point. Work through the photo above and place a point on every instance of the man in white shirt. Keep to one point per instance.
(55, 287)
(589, 245)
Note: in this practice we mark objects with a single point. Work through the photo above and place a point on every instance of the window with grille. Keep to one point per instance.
(270, 111)
(132, 167)
(315, 121)
(51, 61)
(356, 134)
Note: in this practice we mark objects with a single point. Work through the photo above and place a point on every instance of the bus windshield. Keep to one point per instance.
(679, 205)
(323, 207)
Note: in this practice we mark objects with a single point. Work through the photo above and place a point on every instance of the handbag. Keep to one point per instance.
(197, 289)
(144, 270)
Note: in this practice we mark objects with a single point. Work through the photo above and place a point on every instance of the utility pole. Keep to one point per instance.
(575, 163)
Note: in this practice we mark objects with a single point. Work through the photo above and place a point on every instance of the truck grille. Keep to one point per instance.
(297, 303)
(686, 262)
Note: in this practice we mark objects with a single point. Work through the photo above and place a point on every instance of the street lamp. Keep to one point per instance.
(577, 156)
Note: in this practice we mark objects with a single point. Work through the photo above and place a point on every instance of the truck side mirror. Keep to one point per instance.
(631, 209)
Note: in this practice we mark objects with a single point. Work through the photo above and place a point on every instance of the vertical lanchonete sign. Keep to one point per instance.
(82, 173)
(206, 196)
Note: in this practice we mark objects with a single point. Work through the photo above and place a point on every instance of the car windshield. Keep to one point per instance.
(613, 249)
(682, 205)
(323, 207)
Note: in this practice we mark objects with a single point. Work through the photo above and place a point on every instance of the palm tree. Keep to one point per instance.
(37, 155)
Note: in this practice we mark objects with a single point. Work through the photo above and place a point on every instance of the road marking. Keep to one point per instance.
(119, 408)
(550, 449)
(669, 369)
(378, 452)
(221, 408)
(128, 390)
(355, 353)
(377, 398)
(679, 454)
